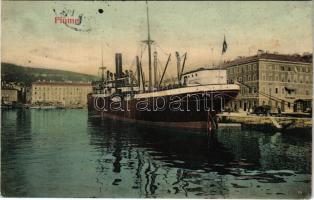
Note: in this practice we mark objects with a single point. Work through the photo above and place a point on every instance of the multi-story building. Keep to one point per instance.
(281, 81)
(60, 93)
(9, 95)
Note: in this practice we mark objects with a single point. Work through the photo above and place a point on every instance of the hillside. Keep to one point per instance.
(27, 75)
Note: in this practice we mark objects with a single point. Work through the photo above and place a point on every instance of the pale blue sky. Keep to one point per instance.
(30, 37)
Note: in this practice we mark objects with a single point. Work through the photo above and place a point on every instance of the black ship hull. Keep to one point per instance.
(190, 110)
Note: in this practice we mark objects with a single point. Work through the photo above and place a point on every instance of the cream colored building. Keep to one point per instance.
(281, 81)
(9, 95)
(60, 93)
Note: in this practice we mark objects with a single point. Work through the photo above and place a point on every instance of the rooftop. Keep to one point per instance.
(271, 56)
(62, 83)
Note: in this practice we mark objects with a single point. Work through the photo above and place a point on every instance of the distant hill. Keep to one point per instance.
(27, 75)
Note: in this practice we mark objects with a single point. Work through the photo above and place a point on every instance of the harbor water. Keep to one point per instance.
(69, 153)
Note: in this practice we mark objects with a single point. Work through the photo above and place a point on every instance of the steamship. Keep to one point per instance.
(192, 102)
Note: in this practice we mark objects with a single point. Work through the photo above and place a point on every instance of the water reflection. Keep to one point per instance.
(160, 157)
(198, 165)
(69, 153)
(15, 135)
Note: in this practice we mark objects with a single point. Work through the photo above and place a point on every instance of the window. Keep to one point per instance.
(253, 89)
(282, 68)
(307, 92)
(276, 90)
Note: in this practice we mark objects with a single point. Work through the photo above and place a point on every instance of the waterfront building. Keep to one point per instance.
(9, 95)
(67, 94)
(284, 82)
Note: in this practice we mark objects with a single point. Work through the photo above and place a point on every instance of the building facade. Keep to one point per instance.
(281, 81)
(9, 95)
(60, 93)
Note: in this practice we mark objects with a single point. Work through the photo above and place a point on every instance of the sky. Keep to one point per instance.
(30, 36)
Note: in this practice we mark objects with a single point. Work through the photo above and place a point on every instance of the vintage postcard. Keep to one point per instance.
(156, 99)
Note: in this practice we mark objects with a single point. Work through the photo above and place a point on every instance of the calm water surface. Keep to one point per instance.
(68, 153)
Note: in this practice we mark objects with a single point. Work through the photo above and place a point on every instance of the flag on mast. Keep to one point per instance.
(224, 46)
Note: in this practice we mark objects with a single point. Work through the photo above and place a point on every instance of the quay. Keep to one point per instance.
(265, 122)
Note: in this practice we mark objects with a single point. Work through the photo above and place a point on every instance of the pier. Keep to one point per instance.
(266, 122)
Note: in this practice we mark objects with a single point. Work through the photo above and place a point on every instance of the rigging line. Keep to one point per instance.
(262, 93)
(143, 50)
(132, 64)
(265, 94)
(165, 52)
(139, 49)
(159, 72)
(159, 68)
(166, 72)
(159, 64)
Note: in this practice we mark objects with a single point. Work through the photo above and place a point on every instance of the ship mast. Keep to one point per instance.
(149, 42)
(102, 68)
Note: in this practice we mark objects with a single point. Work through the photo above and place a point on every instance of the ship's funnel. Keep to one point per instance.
(119, 65)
